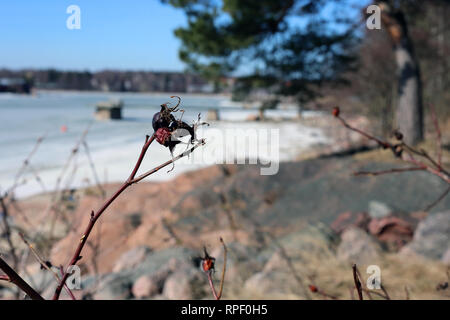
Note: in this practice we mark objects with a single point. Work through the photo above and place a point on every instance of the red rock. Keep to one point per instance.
(392, 230)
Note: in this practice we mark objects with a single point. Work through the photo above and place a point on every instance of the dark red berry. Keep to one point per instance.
(336, 111)
(163, 136)
(312, 288)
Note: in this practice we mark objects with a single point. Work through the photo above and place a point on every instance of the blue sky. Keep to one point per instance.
(114, 34)
(133, 34)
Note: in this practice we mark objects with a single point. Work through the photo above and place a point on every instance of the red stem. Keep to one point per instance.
(212, 286)
(18, 281)
(95, 216)
(130, 181)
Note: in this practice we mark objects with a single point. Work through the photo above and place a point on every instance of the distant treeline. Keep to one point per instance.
(109, 80)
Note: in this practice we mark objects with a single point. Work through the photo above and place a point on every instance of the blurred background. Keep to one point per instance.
(80, 82)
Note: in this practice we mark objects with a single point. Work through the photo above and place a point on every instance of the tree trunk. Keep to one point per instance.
(410, 108)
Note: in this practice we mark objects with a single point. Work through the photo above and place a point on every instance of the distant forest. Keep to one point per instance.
(109, 80)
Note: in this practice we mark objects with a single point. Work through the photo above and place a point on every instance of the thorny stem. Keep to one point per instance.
(18, 281)
(96, 215)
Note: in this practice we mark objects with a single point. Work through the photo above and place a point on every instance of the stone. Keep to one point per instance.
(432, 237)
(145, 287)
(184, 284)
(358, 247)
(379, 209)
(119, 285)
(391, 230)
(131, 258)
(347, 219)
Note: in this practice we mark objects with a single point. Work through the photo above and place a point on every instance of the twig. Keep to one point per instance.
(434, 203)
(385, 292)
(56, 191)
(96, 215)
(394, 170)
(94, 171)
(7, 230)
(165, 164)
(369, 292)
(357, 282)
(381, 143)
(399, 150)
(18, 281)
(315, 289)
(44, 264)
(25, 164)
(222, 279)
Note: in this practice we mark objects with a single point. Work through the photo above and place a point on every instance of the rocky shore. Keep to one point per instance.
(304, 226)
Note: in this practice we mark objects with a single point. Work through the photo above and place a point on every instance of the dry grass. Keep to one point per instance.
(322, 268)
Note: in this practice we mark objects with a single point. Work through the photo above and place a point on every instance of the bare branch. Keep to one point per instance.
(18, 281)
(209, 272)
(44, 264)
(357, 282)
(394, 170)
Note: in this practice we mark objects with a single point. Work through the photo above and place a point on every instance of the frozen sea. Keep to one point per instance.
(115, 145)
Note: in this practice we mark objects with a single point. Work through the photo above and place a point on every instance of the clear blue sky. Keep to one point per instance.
(114, 34)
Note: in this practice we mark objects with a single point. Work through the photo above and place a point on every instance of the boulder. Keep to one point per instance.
(432, 237)
(186, 283)
(131, 258)
(144, 287)
(358, 247)
(158, 265)
(391, 230)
